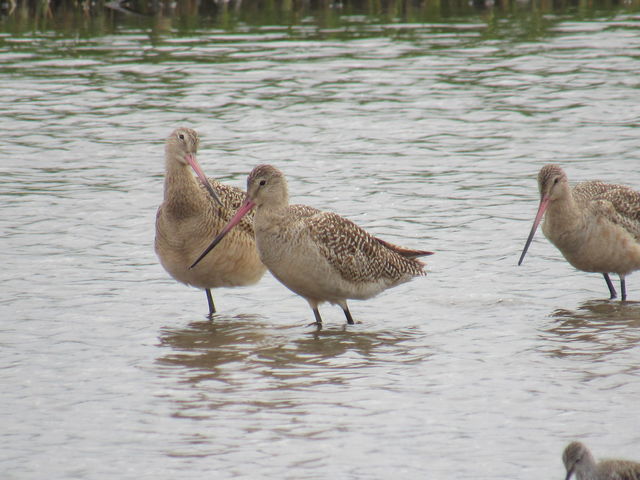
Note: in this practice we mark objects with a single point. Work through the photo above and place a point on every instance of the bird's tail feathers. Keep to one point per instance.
(405, 252)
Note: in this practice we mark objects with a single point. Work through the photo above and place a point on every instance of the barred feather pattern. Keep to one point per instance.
(232, 198)
(618, 203)
(357, 255)
(286, 231)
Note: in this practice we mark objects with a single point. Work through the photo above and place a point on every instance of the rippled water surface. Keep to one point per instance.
(428, 135)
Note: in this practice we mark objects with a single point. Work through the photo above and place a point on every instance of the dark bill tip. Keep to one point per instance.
(544, 202)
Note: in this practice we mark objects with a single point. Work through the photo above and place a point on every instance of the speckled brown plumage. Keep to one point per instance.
(595, 225)
(578, 460)
(357, 255)
(320, 255)
(618, 203)
(188, 217)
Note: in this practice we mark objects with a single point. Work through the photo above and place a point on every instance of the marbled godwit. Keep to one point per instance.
(188, 218)
(578, 459)
(595, 225)
(319, 255)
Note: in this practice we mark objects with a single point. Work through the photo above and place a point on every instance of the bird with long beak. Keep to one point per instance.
(318, 255)
(578, 460)
(192, 212)
(595, 225)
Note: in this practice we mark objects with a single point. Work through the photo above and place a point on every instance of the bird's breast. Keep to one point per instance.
(595, 244)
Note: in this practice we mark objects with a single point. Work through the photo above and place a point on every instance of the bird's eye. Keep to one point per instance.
(181, 136)
(263, 182)
(556, 180)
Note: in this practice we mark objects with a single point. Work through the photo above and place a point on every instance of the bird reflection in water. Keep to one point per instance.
(240, 343)
(597, 328)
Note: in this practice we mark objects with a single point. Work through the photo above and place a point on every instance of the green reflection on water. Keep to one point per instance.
(338, 19)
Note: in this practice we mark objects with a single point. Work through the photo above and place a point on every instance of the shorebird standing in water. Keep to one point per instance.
(318, 255)
(192, 212)
(578, 459)
(595, 225)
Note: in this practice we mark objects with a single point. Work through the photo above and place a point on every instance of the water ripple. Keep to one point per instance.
(429, 135)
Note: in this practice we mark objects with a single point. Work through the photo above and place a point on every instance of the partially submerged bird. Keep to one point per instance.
(595, 225)
(318, 255)
(192, 212)
(578, 459)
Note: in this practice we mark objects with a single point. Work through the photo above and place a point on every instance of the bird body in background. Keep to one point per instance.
(578, 460)
(595, 225)
(319, 255)
(193, 211)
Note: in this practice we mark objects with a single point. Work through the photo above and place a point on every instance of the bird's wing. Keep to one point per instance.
(231, 198)
(356, 254)
(619, 470)
(618, 203)
(302, 211)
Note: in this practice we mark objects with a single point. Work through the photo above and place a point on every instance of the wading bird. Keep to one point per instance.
(192, 212)
(595, 225)
(318, 255)
(578, 459)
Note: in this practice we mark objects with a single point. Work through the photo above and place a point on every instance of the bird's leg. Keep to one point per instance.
(623, 288)
(612, 290)
(318, 322)
(347, 314)
(212, 307)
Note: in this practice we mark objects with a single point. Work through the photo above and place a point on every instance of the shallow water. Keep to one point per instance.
(428, 135)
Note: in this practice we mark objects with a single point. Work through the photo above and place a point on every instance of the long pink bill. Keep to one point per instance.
(544, 203)
(203, 178)
(242, 211)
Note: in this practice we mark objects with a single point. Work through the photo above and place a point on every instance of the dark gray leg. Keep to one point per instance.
(212, 307)
(316, 314)
(347, 314)
(623, 288)
(612, 290)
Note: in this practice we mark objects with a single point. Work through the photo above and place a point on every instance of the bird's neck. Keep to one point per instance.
(271, 215)
(566, 212)
(182, 191)
(587, 469)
